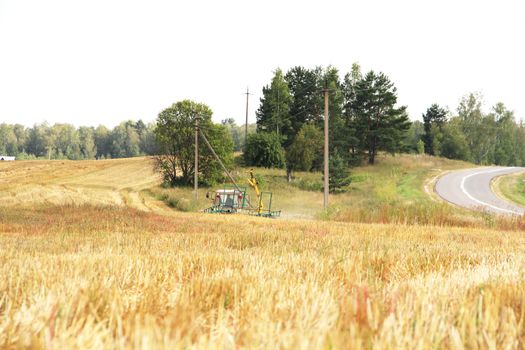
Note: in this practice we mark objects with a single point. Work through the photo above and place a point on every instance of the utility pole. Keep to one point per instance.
(278, 112)
(196, 178)
(325, 202)
(246, 125)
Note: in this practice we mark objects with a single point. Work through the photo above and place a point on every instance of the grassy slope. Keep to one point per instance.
(85, 277)
(393, 190)
(511, 187)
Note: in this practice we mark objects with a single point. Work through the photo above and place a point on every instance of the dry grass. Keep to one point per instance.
(105, 273)
(89, 277)
(103, 182)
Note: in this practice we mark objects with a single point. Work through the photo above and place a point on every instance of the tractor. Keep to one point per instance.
(234, 199)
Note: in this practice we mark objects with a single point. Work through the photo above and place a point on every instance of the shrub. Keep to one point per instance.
(264, 149)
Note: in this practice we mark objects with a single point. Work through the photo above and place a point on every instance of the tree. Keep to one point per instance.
(348, 133)
(88, 150)
(264, 149)
(435, 116)
(505, 152)
(236, 132)
(209, 168)
(420, 147)
(306, 101)
(8, 140)
(414, 134)
(22, 135)
(379, 124)
(273, 114)
(125, 140)
(338, 177)
(479, 129)
(102, 142)
(65, 142)
(175, 134)
(454, 144)
(305, 149)
(148, 141)
(38, 142)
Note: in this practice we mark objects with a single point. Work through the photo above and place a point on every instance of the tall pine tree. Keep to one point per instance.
(273, 114)
(379, 124)
(433, 120)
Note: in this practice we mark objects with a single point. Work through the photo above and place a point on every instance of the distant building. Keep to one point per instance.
(6, 158)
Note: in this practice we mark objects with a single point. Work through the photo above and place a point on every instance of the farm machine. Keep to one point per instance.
(234, 199)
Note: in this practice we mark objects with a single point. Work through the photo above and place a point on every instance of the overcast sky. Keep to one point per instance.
(96, 62)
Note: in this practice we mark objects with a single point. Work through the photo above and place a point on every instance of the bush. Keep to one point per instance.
(264, 149)
(339, 177)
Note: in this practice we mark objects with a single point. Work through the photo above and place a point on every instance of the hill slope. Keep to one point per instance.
(102, 182)
(396, 189)
(90, 276)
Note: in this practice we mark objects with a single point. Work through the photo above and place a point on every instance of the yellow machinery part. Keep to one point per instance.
(253, 182)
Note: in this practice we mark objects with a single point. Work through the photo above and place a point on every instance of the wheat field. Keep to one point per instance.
(114, 182)
(97, 270)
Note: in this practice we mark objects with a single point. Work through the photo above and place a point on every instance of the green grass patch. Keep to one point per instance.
(512, 187)
(394, 181)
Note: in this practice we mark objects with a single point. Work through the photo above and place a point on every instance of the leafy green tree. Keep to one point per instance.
(148, 140)
(86, 135)
(39, 142)
(519, 144)
(66, 142)
(175, 134)
(209, 168)
(273, 114)
(505, 152)
(102, 141)
(434, 116)
(420, 147)
(264, 149)
(454, 144)
(479, 129)
(8, 140)
(237, 132)
(414, 134)
(125, 140)
(305, 149)
(379, 124)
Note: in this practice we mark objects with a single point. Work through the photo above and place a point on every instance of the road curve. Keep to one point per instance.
(471, 189)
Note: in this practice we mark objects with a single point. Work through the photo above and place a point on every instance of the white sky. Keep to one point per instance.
(96, 62)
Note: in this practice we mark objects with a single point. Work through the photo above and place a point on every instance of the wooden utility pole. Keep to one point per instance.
(326, 161)
(196, 178)
(246, 125)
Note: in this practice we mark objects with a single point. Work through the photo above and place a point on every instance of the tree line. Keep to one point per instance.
(365, 119)
(470, 134)
(65, 141)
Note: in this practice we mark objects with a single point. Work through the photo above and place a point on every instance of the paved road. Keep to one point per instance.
(471, 189)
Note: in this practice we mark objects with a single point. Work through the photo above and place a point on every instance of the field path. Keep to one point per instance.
(104, 182)
(471, 189)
